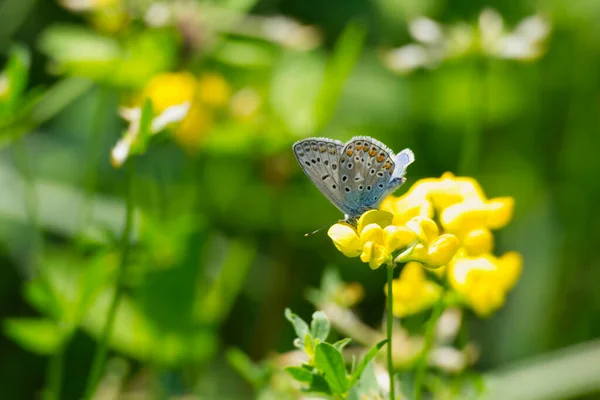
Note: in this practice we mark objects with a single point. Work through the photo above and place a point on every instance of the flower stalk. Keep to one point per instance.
(421, 367)
(390, 321)
(102, 348)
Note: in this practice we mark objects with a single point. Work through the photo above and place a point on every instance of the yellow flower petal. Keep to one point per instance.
(214, 90)
(442, 250)
(463, 217)
(397, 237)
(407, 207)
(424, 228)
(345, 239)
(500, 211)
(412, 292)
(413, 272)
(483, 281)
(381, 218)
(372, 233)
(478, 241)
(510, 266)
(168, 89)
(375, 255)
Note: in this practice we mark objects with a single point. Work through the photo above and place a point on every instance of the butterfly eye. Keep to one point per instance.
(361, 187)
(347, 189)
(344, 178)
(372, 171)
(333, 186)
(349, 165)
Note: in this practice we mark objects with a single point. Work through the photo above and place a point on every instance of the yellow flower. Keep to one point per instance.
(407, 207)
(349, 294)
(189, 132)
(214, 90)
(433, 250)
(412, 292)
(168, 89)
(461, 205)
(483, 281)
(374, 239)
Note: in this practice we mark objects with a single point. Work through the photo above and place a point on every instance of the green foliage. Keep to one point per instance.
(325, 373)
(127, 63)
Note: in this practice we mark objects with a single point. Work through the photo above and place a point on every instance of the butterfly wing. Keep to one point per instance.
(366, 167)
(369, 171)
(319, 159)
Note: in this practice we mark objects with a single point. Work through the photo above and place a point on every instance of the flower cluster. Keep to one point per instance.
(480, 279)
(436, 43)
(179, 101)
(412, 292)
(376, 239)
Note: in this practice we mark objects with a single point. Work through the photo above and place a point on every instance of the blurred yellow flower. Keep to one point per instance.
(349, 294)
(412, 292)
(467, 218)
(461, 206)
(483, 281)
(168, 89)
(204, 95)
(214, 90)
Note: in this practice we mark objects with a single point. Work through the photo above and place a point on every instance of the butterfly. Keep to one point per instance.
(355, 176)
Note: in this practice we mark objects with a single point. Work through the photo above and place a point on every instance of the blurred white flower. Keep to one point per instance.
(121, 151)
(436, 43)
(158, 14)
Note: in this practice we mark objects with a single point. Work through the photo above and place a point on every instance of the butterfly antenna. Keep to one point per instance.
(313, 232)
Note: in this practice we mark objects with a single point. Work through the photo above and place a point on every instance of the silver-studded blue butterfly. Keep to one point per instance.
(355, 176)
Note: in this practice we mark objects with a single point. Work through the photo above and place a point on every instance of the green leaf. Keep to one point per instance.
(365, 361)
(299, 325)
(319, 327)
(300, 374)
(330, 361)
(319, 385)
(340, 344)
(367, 384)
(295, 84)
(345, 55)
(40, 336)
(57, 97)
(145, 126)
(17, 71)
(254, 374)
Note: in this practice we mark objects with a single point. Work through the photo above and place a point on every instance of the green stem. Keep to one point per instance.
(30, 197)
(102, 348)
(421, 367)
(390, 321)
(93, 152)
(54, 375)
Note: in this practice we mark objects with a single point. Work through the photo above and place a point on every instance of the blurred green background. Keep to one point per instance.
(219, 247)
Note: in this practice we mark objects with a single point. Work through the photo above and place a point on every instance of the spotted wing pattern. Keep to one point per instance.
(319, 159)
(366, 168)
